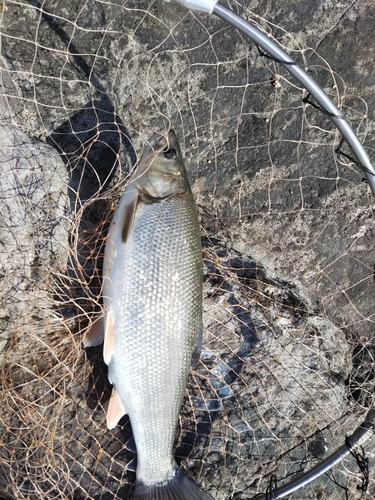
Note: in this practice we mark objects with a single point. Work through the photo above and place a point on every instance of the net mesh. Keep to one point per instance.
(286, 369)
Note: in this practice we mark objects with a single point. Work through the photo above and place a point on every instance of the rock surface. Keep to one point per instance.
(34, 219)
(287, 366)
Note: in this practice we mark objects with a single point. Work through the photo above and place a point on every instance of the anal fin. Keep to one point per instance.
(116, 410)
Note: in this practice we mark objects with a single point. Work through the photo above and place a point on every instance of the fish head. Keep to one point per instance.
(161, 171)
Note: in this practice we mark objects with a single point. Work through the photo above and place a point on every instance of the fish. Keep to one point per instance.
(152, 294)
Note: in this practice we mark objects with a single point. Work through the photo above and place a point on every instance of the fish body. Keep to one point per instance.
(153, 301)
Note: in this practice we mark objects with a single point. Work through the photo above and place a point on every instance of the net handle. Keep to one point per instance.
(359, 436)
(280, 56)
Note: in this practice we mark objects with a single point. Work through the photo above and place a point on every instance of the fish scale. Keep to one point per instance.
(160, 302)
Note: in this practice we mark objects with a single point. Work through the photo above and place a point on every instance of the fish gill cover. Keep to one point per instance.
(287, 366)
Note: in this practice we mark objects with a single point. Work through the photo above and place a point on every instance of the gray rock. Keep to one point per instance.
(34, 220)
(287, 368)
(34, 230)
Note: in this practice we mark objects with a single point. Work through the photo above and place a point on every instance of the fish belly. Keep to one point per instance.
(153, 289)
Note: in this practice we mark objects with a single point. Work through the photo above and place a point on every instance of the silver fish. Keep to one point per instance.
(153, 304)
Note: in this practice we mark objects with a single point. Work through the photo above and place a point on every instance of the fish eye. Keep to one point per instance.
(170, 153)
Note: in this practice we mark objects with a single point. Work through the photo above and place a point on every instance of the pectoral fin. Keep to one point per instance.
(109, 337)
(127, 216)
(95, 334)
(116, 410)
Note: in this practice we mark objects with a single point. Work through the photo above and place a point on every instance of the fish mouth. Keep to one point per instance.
(159, 141)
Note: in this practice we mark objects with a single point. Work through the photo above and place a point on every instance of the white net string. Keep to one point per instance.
(287, 364)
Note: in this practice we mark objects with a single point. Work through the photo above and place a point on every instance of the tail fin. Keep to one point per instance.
(180, 487)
